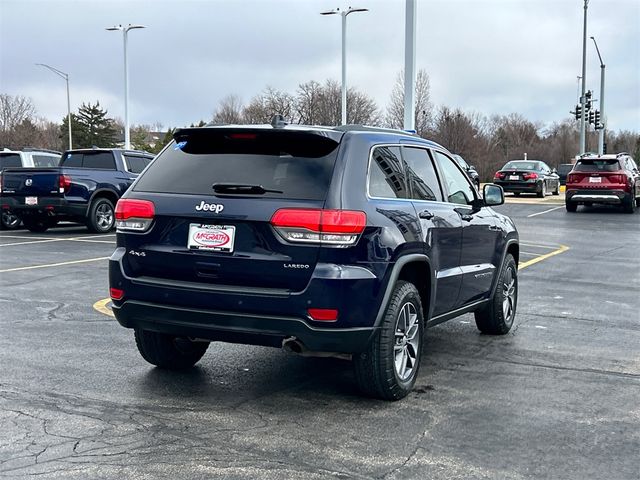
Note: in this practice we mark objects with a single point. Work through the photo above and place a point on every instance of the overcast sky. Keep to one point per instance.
(489, 56)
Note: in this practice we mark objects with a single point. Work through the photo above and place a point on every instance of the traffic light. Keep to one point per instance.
(587, 103)
(597, 120)
(591, 116)
(578, 112)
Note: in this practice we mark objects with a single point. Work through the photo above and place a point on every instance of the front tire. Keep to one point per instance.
(388, 368)
(101, 216)
(497, 317)
(168, 351)
(557, 190)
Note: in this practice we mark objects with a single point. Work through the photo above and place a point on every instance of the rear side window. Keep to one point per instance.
(297, 165)
(98, 160)
(136, 164)
(421, 174)
(386, 174)
(597, 166)
(45, 161)
(8, 160)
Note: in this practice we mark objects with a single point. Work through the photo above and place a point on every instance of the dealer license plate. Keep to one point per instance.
(31, 200)
(514, 177)
(595, 179)
(217, 238)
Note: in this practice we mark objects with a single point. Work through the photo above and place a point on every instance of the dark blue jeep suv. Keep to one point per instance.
(346, 241)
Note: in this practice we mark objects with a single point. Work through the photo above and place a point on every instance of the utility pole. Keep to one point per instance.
(410, 65)
(64, 75)
(583, 136)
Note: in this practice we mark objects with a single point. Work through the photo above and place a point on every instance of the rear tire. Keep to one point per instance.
(101, 216)
(37, 224)
(167, 351)
(388, 368)
(9, 221)
(543, 190)
(629, 204)
(571, 207)
(497, 317)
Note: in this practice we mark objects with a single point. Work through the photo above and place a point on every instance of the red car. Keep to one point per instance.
(611, 179)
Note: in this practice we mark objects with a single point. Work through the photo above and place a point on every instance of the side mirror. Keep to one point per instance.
(472, 167)
(493, 195)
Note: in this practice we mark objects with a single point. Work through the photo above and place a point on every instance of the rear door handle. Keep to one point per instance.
(426, 214)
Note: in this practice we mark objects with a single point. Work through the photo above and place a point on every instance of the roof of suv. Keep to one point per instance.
(332, 132)
(606, 156)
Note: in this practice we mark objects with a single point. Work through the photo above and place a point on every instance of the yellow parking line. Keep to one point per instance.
(528, 263)
(101, 306)
(47, 265)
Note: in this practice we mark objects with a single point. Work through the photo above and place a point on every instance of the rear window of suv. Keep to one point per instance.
(298, 164)
(597, 166)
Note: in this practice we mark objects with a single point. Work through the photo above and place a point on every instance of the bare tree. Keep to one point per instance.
(309, 98)
(270, 102)
(229, 110)
(394, 117)
(14, 110)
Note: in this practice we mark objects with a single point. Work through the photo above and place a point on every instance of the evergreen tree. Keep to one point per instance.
(90, 127)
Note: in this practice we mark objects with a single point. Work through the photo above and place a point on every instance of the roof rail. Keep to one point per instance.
(47, 150)
(366, 128)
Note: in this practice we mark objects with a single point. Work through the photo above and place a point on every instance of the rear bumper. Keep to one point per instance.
(250, 315)
(47, 206)
(235, 327)
(518, 187)
(614, 197)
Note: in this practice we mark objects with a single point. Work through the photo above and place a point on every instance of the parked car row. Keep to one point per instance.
(84, 188)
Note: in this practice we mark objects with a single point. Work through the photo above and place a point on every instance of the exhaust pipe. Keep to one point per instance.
(295, 346)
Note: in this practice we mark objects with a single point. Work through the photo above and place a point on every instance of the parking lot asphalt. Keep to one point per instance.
(555, 398)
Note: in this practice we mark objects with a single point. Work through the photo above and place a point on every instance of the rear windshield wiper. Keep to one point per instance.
(242, 188)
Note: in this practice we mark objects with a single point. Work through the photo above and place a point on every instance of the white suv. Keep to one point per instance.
(28, 157)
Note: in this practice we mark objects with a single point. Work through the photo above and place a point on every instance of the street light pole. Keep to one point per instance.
(125, 31)
(410, 65)
(583, 99)
(60, 73)
(602, 117)
(344, 13)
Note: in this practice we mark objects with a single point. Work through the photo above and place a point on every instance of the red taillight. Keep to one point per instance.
(116, 293)
(135, 215)
(64, 182)
(499, 175)
(530, 176)
(323, 314)
(337, 227)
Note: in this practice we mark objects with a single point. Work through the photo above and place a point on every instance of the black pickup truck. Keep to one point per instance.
(84, 188)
